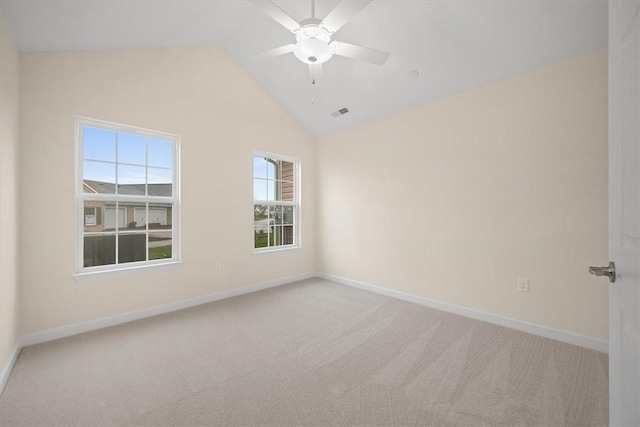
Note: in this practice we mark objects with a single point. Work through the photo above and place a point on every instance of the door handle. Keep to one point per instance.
(609, 271)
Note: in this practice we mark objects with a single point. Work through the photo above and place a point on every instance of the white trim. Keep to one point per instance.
(142, 267)
(8, 367)
(507, 322)
(79, 328)
(275, 249)
(125, 128)
(275, 156)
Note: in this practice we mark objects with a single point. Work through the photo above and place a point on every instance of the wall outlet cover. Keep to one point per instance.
(523, 284)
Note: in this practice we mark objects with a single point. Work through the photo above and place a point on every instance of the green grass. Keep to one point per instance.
(260, 240)
(160, 252)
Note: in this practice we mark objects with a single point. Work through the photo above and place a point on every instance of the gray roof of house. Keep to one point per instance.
(163, 190)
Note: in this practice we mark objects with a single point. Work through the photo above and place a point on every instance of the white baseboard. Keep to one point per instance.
(78, 328)
(8, 367)
(519, 325)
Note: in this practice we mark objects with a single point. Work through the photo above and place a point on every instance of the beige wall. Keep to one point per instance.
(457, 199)
(452, 201)
(221, 115)
(9, 219)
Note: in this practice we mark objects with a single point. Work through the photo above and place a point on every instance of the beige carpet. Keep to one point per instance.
(315, 353)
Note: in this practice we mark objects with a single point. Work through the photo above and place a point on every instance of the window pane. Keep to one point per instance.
(99, 250)
(131, 149)
(287, 235)
(286, 171)
(275, 215)
(131, 180)
(98, 144)
(271, 190)
(160, 216)
(277, 235)
(93, 217)
(259, 189)
(139, 216)
(160, 182)
(288, 213)
(98, 177)
(261, 238)
(160, 153)
(160, 245)
(276, 168)
(132, 247)
(286, 191)
(271, 169)
(260, 212)
(113, 216)
(276, 190)
(282, 235)
(259, 167)
(134, 216)
(261, 226)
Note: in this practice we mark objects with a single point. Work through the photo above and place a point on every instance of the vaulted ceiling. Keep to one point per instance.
(437, 47)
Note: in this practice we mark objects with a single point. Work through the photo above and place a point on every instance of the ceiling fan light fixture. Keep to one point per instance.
(313, 51)
(313, 36)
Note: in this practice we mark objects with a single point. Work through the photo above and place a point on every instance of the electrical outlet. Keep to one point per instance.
(327, 253)
(218, 266)
(523, 284)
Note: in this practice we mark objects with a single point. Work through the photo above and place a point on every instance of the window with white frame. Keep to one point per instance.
(127, 196)
(90, 216)
(276, 205)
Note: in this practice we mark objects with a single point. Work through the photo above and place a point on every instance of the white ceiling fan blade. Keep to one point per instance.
(277, 14)
(360, 53)
(272, 53)
(315, 72)
(343, 12)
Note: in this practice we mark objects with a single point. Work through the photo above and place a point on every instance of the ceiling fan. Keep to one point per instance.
(313, 44)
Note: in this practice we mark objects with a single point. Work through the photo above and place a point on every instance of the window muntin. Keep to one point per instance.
(275, 202)
(127, 196)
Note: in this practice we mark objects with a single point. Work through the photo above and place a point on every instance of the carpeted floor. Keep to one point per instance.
(310, 353)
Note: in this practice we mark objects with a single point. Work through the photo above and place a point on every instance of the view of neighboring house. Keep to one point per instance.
(143, 230)
(103, 216)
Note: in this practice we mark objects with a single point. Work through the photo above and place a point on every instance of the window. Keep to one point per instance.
(127, 197)
(90, 216)
(276, 206)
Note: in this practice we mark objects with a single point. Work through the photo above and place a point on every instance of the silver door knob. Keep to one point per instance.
(609, 271)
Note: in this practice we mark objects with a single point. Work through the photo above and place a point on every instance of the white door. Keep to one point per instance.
(624, 212)
(156, 216)
(110, 218)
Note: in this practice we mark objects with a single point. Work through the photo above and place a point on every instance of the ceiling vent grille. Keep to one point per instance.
(340, 112)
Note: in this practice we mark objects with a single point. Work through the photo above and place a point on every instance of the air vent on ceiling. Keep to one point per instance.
(340, 112)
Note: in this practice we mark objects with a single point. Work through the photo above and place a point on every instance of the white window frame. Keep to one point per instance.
(86, 273)
(297, 226)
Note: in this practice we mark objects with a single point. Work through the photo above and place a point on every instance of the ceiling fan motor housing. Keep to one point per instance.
(313, 44)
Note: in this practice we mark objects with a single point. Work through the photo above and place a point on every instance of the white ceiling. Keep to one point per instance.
(454, 45)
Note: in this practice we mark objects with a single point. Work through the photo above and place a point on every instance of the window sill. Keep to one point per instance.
(276, 250)
(88, 276)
